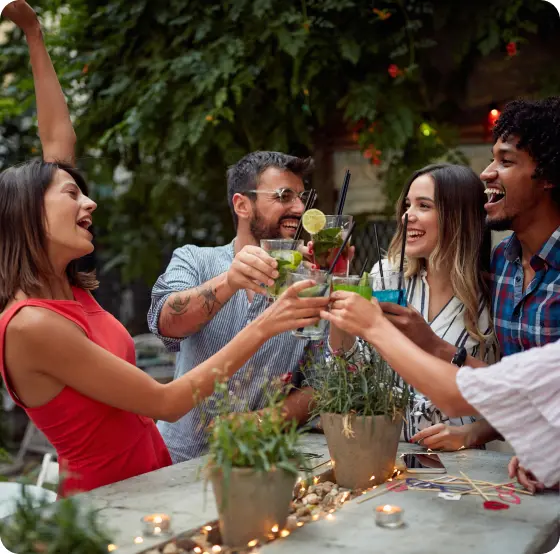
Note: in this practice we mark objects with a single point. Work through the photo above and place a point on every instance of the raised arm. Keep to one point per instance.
(69, 357)
(185, 312)
(55, 127)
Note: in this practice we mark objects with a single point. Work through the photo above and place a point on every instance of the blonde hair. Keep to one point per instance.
(463, 248)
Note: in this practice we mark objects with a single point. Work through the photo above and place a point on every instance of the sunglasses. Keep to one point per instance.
(285, 195)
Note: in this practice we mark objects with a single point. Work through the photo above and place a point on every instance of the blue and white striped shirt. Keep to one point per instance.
(190, 267)
(449, 325)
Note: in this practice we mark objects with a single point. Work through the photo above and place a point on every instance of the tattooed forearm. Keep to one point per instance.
(198, 305)
(210, 300)
(178, 305)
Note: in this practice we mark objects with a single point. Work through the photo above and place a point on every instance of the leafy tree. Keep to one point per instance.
(174, 92)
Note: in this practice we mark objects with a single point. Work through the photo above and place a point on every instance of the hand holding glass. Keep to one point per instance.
(287, 255)
(320, 289)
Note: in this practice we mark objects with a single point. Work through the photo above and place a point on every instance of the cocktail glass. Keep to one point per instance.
(322, 288)
(391, 292)
(286, 253)
(327, 243)
(354, 283)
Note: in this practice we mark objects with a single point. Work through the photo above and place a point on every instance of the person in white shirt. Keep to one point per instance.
(447, 254)
(518, 396)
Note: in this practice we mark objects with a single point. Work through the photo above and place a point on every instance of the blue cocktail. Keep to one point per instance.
(394, 295)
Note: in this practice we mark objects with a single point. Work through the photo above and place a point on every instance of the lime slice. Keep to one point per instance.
(313, 221)
(313, 292)
(364, 281)
(292, 258)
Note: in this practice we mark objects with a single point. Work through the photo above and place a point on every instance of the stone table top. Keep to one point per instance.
(433, 525)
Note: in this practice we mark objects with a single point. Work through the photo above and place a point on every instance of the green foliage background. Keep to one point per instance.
(173, 92)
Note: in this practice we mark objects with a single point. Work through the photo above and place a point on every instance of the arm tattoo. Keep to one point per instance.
(178, 305)
(210, 299)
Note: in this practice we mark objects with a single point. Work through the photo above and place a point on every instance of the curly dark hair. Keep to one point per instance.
(537, 125)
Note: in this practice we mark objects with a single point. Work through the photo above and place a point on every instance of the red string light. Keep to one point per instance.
(493, 116)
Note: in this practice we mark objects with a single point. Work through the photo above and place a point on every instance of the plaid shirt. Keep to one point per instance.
(527, 319)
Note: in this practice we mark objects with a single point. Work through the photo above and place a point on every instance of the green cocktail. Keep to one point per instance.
(354, 283)
(285, 252)
(321, 289)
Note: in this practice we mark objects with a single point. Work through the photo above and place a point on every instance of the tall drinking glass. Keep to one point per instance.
(320, 289)
(286, 253)
(327, 243)
(354, 283)
(391, 292)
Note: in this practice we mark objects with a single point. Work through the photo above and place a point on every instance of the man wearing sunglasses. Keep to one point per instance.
(207, 295)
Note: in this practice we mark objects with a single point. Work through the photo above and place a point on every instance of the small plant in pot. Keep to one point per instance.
(69, 526)
(361, 402)
(253, 465)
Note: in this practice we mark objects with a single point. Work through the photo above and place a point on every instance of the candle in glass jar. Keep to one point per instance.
(156, 524)
(389, 516)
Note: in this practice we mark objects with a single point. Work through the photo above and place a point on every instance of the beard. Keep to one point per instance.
(504, 224)
(261, 230)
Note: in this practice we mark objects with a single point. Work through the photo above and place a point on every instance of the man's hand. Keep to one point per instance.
(448, 438)
(251, 267)
(22, 14)
(413, 325)
(523, 476)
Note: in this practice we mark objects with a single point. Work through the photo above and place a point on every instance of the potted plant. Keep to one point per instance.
(67, 526)
(253, 465)
(361, 402)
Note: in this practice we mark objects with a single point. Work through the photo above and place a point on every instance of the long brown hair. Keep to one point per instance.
(464, 242)
(24, 263)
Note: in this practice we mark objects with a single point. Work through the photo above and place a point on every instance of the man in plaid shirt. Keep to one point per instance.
(523, 184)
(523, 188)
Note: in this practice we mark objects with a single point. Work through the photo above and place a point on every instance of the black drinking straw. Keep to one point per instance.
(339, 253)
(379, 256)
(308, 205)
(401, 267)
(366, 263)
(343, 192)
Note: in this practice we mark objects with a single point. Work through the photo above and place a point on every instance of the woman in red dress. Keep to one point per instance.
(68, 363)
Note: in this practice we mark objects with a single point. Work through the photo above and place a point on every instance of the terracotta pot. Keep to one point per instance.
(251, 503)
(369, 450)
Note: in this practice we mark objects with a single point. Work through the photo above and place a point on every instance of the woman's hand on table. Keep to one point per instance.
(448, 438)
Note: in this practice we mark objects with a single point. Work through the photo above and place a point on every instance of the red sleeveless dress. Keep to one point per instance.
(96, 443)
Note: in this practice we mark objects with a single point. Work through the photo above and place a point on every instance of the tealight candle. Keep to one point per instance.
(156, 524)
(389, 516)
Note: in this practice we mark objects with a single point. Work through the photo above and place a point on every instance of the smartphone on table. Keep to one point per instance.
(423, 463)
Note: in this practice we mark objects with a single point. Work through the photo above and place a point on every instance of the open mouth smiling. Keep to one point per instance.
(291, 223)
(494, 194)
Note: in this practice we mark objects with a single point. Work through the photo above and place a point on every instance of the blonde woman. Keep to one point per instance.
(447, 252)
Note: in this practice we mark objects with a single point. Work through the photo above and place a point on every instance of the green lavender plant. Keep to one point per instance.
(361, 384)
(261, 440)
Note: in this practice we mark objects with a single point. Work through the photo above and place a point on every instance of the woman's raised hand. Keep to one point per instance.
(21, 13)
